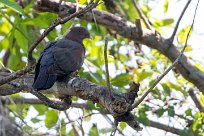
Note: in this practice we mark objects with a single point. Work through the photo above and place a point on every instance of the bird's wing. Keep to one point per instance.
(44, 80)
(69, 55)
(37, 68)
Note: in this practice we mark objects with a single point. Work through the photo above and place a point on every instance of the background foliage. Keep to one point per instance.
(20, 26)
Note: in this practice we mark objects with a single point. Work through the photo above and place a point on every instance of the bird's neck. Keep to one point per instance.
(75, 38)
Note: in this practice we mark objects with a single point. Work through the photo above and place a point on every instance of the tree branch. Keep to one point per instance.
(110, 93)
(164, 127)
(84, 89)
(171, 39)
(64, 105)
(195, 99)
(128, 30)
(142, 15)
(168, 69)
(33, 101)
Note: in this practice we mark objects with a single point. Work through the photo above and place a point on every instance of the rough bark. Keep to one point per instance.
(119, 107)
(128, 30)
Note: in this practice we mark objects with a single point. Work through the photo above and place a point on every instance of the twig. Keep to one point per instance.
(171, 39)
(115, 125)
(31, 60)
(55, 105)
(17, 74)
(164, 127)
(5, 60)
(110, 93)
(168, 69)
(195, 99)
(112, 123)
(73, 126)
(141, 15)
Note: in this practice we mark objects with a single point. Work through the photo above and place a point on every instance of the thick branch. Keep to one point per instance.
(82, 88)
(195, 99)
(86, 90)
(128, 30)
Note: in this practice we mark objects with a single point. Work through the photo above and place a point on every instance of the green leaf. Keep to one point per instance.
(202, 99)
(41, 109)
(74, 98)
(15, 62)
(21, 110)
(21, 40)
(51, 118)
(176, 87)
(160, 112)
(27, 128)
(121, 80)
(143, 119)
(13, 5)
(123, 125)
(63, 128)
(188, 112)
(182, 35)
(71, 133)
(35, 120)
(186, 132)
(42, 20)
(82, 1)
(164, 22)
(171, 111)
(141, 74)
(166, 4)
(105, 130)
(93, 131)
(166, 89)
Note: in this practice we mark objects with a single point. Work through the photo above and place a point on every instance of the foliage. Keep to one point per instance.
(20, 26)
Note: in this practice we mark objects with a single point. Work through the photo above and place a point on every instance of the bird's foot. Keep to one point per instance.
(75, 74)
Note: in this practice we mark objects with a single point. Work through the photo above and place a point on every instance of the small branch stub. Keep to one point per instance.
(139, 27)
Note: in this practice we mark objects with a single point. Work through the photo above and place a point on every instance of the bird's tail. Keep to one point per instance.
(44, 80)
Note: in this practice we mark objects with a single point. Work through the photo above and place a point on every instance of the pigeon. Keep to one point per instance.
(60, 58)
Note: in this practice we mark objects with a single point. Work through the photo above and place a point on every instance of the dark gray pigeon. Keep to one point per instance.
(60, 58)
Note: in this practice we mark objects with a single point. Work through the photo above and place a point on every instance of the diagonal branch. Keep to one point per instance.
(110, 93)
(195, 99)
(171, 39)
(84, 89)
(64, 105)
(170, 68)
(142, 15)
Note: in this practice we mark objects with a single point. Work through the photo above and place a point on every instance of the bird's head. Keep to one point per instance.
(78, 34)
